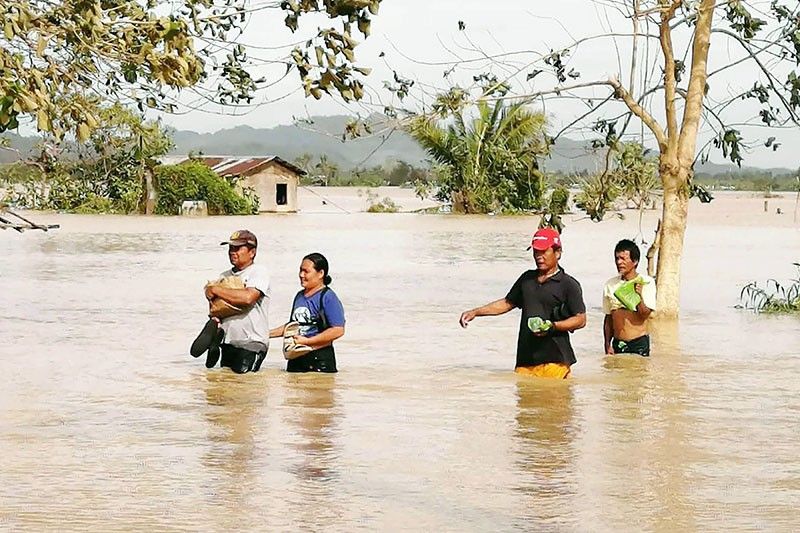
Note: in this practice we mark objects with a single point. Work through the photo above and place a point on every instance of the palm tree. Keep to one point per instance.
(303, 161)
(327, 169)
(488, 163)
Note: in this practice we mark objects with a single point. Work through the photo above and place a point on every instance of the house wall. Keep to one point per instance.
(264, 183)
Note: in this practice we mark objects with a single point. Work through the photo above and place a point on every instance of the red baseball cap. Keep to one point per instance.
(545, 238)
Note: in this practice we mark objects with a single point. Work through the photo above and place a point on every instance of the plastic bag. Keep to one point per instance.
(627, 295)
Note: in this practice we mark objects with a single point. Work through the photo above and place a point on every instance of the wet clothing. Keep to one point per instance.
(241, 360)
(558, 298)
(547, 370)
(322, 360)
(612, 303)
(315, 314)
(639, 345)
(306, 311)
(250, 330)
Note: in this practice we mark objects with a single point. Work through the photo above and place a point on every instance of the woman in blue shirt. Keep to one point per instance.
(320, 314)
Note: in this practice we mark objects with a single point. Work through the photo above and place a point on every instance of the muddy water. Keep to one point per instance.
(108, 424)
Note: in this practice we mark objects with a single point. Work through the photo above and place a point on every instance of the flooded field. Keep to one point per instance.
(108, 424)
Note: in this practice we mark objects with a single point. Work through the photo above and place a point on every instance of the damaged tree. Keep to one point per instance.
(671, 92)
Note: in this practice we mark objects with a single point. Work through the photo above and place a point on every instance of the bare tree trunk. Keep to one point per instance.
(653, 250)
(676, 162)
(151, 194)
(673, 228)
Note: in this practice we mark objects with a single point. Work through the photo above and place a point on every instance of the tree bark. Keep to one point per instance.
(673, 229)
(151, 193)
(676, 165)
(653, 250)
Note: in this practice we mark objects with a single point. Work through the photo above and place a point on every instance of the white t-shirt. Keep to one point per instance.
(250, 330)
(612, 303)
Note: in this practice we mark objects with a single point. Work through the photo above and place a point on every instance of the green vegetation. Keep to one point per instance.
(109, 174)
(486, 156)
(106, 174)
(386, 205)
(631, 178)
(326, 173)
(557, 205)
(193, 180)
(774, 297)
(63, 62)
(750, 180)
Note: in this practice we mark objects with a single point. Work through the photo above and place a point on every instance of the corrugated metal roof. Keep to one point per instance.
(242, 166)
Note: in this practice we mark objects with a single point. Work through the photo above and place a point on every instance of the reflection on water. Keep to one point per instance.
(312, 416)
(545, 434)
(313, 412)
(109, 425)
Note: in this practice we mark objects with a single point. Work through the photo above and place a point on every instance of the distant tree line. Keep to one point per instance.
(321, 171)
(751, 180)
(118, 171)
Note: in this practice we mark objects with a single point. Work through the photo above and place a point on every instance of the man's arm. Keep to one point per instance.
(277, 332)
(608, 334)
(575, 305)
(497, 307)
(570, 324)
(238, 297)
(642, 310)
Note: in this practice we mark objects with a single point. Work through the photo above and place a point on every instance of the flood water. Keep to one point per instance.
(108, 424)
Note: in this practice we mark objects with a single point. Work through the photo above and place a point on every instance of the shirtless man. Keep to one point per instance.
(625, 331)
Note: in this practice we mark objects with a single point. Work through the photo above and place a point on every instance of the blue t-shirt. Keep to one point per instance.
(305, 311)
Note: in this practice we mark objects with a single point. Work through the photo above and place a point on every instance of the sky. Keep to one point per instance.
(421, 40)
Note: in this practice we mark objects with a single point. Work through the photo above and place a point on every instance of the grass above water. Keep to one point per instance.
(774, 297)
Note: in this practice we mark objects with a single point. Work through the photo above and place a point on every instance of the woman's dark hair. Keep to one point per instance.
(320, 264)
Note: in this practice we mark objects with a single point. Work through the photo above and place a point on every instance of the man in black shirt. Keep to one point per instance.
(550, 294)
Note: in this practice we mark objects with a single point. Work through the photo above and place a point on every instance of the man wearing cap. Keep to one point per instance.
(244, 335)
(550, 294)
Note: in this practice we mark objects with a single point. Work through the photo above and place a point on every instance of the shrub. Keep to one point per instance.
(773, 297)
(95, 204)
(384, 206)
(193, 180)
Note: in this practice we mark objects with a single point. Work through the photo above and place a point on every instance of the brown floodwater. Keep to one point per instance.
(108, 424)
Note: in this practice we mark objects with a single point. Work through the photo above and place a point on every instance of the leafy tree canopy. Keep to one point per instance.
(60, 62)
(487, 156)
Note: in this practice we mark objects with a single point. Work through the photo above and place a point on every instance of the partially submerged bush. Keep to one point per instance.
(386, 205)
(774, 297)
(193, 180)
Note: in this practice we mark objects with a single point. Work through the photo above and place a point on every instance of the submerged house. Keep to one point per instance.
(274, 180)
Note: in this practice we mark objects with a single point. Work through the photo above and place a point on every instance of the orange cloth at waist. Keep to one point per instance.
(547, 370)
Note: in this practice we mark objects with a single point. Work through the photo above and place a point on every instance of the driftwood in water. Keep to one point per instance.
(12, 220)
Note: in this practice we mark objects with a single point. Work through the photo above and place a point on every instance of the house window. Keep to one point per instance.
(281, 194)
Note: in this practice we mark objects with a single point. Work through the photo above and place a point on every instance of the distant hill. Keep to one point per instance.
(24, 145)
(323, 135)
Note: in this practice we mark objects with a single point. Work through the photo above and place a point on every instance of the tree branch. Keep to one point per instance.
(697, 82)
(648, 120)
(670, 83)
(767, 73)
(635, 45)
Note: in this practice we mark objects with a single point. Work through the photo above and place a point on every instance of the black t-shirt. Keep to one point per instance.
(559, 297)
